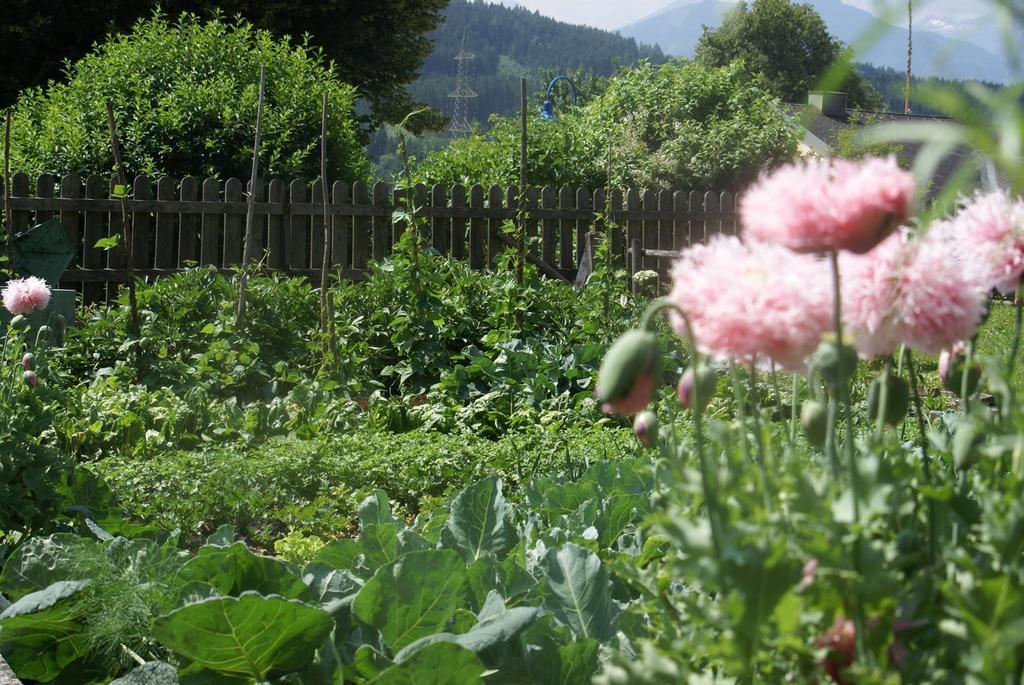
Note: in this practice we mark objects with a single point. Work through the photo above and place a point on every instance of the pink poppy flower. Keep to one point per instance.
(26, 295)
(827, 205)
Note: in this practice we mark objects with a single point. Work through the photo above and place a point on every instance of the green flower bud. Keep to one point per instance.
(704, 379)
(965, 445)
(814, 419)
(645, 426)
(627, 376)
(19, 322)
(897, 400)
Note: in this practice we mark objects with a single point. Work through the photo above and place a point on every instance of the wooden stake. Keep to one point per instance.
(127, 233)
(8, 221)
(522, 181)
(910, 55)
(250, 211)
(326, 320)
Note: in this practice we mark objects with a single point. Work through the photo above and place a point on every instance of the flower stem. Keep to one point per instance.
(759, 438)
(1011, 361)
(741, 412)
(844, 393)
(792, 410)
(708, 481)
(926, 464)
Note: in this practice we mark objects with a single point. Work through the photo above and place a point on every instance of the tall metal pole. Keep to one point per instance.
(910, 55)
(7, 188)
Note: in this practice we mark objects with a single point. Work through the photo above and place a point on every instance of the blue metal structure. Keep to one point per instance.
(547, 110)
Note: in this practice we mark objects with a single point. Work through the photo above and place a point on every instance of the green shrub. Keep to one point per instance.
(674, 126)
(185, 98)
(313, 487)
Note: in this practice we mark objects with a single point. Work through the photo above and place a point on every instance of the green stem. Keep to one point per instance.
(965, 375)
(843, 392)
(883, 400)
(792, 410)
(759, 439)
(741, 412)
(1011, 361)
(926, 465)
(708, 481)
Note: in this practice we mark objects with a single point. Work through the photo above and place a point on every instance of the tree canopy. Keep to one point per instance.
(789, 45)
(673, 126)
(185, 97)
(378, 46)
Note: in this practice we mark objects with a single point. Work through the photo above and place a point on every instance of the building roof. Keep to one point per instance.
(824, 133)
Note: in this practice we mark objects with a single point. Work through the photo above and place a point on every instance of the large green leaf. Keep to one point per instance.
(491, 631)
(339, 554)
(153, 673)
(413, 596)
(580, 591)
(235, 569)
(379, 545)
(250, 635)
(40, 562)
(476, 524)
(375, 509)
(40, 634)
(444, 663)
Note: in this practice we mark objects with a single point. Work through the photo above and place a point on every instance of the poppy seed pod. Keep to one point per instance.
(626, 380)
(951, 371)
(814, 419)
(31, 378)
(645, 426)
(59, 324)
(897, 400)
(19, 322)
(704, 379)
(835, 362)
(28, 362)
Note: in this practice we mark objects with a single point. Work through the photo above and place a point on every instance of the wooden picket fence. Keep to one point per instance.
(190, 222)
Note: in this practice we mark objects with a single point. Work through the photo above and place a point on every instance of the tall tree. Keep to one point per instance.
(378, 46)
(788, 44)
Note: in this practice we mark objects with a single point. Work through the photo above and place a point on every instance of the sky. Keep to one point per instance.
(612, 14)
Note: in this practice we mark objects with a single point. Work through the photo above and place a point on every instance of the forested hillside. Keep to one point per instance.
(890, 84)
(510, 42)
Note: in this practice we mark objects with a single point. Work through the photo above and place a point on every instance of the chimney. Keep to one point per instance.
(829, 103)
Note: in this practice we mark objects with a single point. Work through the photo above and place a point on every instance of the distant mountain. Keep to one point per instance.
(944, 54)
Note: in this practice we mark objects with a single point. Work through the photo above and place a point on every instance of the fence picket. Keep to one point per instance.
(92, 231)
(584, 222)
(566, 229)
(440, 227)
(20, 219)
(316, 227)
(44, 189)
(209, 248)
(549, 227)
(115, 256)
(666, 233)
(297, 240)
(360, 227)
(277, 253)
(494, 225)
(381, 237)
(476, 227)
(340, 228)
(142, 224)
(458, 242)
(650, 228)
(188, 224)
(71, 188)
(163, 245)
(234, 224)
(712, 222)
(634, 232)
